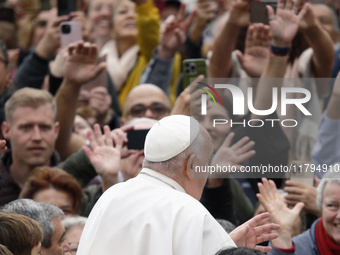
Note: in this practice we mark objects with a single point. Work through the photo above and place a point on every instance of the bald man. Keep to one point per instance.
(146, 100)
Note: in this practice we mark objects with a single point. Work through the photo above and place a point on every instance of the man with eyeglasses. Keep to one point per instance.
(148, 101)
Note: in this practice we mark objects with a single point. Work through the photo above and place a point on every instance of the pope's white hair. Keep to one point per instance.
(174, 165)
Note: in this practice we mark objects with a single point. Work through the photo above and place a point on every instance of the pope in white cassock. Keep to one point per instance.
(158, 212)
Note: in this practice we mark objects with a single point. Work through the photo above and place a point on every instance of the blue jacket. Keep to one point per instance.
(305, 243)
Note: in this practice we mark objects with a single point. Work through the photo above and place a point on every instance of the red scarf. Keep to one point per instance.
(326, 245)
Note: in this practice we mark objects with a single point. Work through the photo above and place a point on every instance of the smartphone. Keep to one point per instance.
(66, 6)
(302, 172)
(136, 139)
(192, 68)
(258, 10)
(7, 14)
(70, 32)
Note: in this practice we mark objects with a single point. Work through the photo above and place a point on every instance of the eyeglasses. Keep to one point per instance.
(157, 109)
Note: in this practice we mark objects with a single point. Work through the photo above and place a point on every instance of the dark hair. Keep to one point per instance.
(239, 251)
(49, 177)
(19, 233)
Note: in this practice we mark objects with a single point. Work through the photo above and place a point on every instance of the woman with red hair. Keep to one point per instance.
(54, 186)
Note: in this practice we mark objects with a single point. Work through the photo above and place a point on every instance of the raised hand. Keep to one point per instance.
(81, 65)
(57, 67)
(240, 13)
(298, 192)
(190, 94)
(50, 42)
(121, 132)
(173, 33)
(235, 154)
(256, 50)
(308, 20)
(250, 233)
(284, 25)
(105, 154)
(205, 10)
(279, 212)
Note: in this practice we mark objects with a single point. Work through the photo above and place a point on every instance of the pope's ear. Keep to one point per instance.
(5, 130)
(190, 165)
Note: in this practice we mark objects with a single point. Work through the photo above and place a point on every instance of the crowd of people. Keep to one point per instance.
(101, 140)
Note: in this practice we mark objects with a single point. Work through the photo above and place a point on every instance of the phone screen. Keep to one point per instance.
(136, 139)
(258, 11)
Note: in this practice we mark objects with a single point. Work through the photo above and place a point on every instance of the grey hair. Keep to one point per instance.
(173, 165)
(333, 175)
(41, 212)
(73, 221)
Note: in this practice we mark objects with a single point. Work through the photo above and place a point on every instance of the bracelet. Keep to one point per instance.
(279, 51)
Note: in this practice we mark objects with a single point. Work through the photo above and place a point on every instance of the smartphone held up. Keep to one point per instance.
(70, 32)
(258, 10)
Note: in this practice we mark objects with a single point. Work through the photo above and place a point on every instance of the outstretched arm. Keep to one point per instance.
(221, 61)
(252, 232)
(284, 26)
(173, 33)
(319, 40)
(105, 155)
(279, 213)
(33, 70)
(256, 51)
(80, 68)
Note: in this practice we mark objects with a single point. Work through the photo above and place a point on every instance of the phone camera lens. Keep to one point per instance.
(66, 29)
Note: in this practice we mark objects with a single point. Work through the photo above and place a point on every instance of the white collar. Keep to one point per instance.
(147, 172)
